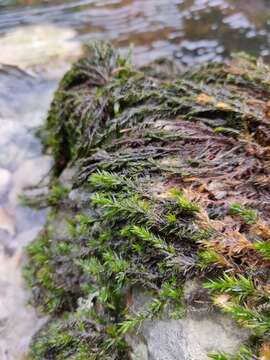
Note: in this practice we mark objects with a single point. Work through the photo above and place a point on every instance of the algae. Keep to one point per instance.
(172, 168)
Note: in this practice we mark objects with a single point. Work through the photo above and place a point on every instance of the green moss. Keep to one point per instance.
(39, 274)
(248, 215)
(206, 258)
(241, 287)
(76, 337)
(158, 157)
(106, 180)
(249, 318)
(263, 247)
(57, 194)
(245, 353)
(185, 205)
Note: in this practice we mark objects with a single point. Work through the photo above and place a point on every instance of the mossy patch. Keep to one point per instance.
(174, 169)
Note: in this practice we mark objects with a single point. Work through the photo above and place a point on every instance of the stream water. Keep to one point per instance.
(38, 41)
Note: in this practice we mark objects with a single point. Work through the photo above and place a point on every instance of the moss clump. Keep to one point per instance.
(161, 161)
(248, 215)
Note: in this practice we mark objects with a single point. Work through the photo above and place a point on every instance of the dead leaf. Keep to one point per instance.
(190, 179)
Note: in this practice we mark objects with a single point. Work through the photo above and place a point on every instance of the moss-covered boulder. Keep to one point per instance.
(161, 177)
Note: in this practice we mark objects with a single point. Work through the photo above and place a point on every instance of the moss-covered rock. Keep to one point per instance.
(161, 176)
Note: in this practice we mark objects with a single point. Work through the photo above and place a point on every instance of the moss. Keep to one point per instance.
(164, 160)
(39, 274)
(248, 215)
(76, 337)
(263, 247)
(245, 353)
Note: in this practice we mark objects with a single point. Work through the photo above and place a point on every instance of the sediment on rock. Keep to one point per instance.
(161, 176)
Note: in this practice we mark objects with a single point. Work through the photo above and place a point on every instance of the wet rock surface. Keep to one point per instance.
(29, 70)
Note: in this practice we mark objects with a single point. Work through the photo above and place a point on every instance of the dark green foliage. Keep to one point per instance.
(206, 258)
(132, 207)
(106, 180)
(57, 193)
(77, 337)
(239, 286)
(162, 162)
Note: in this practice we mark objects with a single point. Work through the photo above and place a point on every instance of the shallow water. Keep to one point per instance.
(38, 41)
(205, 28)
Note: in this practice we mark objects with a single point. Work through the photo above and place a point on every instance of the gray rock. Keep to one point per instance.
(191, 338)
(31, 172)
(5, 180)
(79, 197)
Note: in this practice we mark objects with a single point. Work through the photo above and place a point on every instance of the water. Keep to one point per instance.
(38, 41)
(206, 28)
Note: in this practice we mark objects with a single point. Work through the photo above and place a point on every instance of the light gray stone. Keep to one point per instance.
(5, 180)
(191, 338)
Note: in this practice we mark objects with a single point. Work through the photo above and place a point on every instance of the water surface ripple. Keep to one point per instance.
(207, 29)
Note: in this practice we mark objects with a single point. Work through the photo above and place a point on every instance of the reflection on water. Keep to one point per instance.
(38, 40)
(205, 28)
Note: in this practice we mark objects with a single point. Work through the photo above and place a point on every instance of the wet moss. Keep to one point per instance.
(163, 160)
